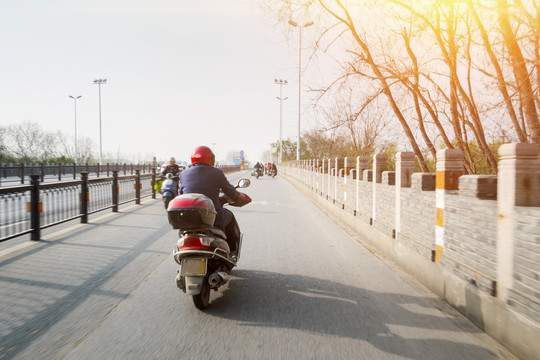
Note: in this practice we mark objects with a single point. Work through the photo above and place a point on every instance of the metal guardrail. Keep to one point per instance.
(63, 171)
(31, 208)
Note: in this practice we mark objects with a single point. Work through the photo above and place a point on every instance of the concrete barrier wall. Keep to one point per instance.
(471, 237)
(474, 240)
(525, 295)
(418, 215)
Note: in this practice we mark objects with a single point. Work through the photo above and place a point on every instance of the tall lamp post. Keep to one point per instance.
(99, 82)
(299, 79)
(75, 101)
(280, 82)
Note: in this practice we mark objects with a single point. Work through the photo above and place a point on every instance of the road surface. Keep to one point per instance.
(304, 289)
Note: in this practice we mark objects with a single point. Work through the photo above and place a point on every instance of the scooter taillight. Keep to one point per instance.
(194, 243)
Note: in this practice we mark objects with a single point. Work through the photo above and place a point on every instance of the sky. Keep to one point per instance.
(179, 74)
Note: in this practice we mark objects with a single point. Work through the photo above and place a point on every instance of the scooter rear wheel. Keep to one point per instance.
(202, 300)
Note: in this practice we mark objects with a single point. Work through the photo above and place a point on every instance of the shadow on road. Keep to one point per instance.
(394, 323)
(42, 287)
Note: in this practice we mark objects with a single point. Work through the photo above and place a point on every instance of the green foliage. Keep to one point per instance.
(391, 152)
(289, 150)
(60, 160)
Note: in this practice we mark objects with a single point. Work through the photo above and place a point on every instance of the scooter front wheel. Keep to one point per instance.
(202, 300)
(167, 200)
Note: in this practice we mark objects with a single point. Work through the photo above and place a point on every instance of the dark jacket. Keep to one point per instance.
(175, 169)
(208, 180)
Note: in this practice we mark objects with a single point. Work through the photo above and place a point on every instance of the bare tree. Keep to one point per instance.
(454, 72)
(28, 142)
(521, 73)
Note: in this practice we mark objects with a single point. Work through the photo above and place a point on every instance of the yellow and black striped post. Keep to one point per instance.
(449, 168)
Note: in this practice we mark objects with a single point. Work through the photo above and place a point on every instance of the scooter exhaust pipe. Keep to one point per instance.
(218, 278)
(224, 277)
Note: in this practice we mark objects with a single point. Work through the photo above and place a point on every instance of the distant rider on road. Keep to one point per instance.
(172, 168)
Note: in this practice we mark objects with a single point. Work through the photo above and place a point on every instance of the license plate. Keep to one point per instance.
(193, 267)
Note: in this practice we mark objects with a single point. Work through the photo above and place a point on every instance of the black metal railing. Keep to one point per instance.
(31, 208)
(19, 173)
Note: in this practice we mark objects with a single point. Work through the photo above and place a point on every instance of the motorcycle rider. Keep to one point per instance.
(259, 167)
(203, 178)
(274, 168)
(172, 168)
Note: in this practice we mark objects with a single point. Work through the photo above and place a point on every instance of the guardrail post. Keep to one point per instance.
(336, 174)
(21, 173)
(323, 169)
(42, 172)
(84, 197)
(449, 167)
(517, 185)
(74, 171)
(329, 178)
(153, 183)
(98, 169)
(138, 187)
(115, 191)
(34, 208)
(380, 164)
(108, 169)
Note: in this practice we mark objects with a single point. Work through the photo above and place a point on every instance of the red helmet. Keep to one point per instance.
(203, 154)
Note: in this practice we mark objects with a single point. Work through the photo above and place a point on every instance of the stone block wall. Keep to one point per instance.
(340, 192)
(365, 196)
(418, 215)
(471, 238)
(385, 206)
(350, 206)
(525, 295)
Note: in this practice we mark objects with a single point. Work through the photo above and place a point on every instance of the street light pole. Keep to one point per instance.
(99, 82)
(75, 101)
(280, 82)
(299, 79)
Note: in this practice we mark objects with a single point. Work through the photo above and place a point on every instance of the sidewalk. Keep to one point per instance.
(69, 281)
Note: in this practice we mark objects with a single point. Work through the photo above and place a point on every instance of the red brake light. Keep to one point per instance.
(191, 243)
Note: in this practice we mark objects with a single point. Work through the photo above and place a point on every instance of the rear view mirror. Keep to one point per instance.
(243, 183)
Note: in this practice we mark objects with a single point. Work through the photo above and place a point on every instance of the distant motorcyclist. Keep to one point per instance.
(274, 168)
(259, 167)
(171, 168)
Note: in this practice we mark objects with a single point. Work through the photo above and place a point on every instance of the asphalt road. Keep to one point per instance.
(304, 289)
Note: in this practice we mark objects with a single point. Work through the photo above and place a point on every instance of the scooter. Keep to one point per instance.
(169, 188)
(258, 173)
(206, 254)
